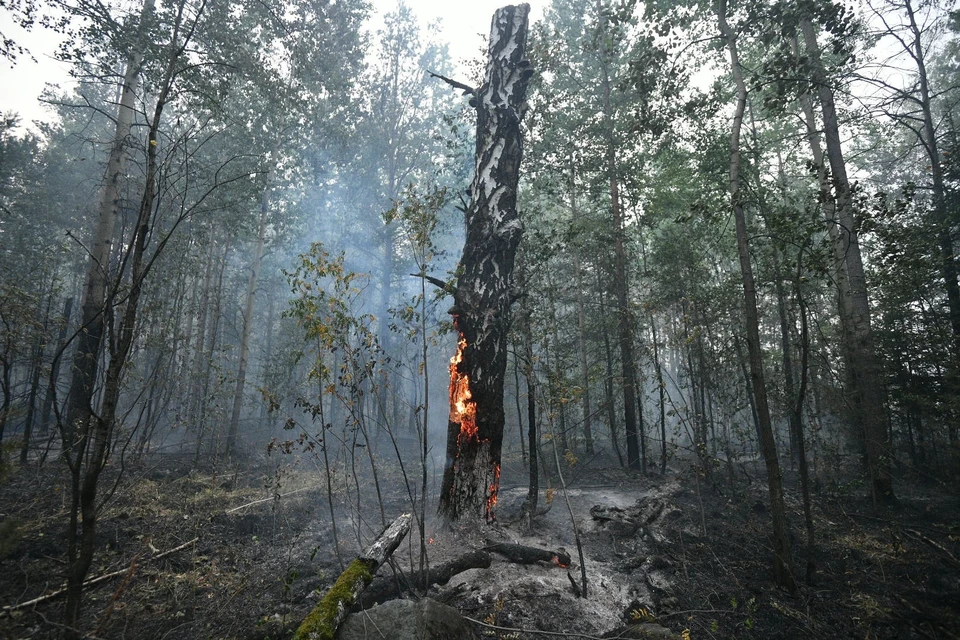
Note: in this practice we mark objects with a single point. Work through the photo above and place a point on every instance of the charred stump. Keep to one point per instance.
(485, 288)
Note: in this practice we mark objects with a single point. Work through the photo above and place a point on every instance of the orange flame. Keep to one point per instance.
(431, 541)
(493, 492)
(557, 562)
(463, 410)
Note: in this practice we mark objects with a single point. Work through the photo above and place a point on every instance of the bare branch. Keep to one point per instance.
(467, 90)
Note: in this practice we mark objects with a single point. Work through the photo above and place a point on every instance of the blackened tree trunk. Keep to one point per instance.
(797, 419)
(658, 370)
(485, 288)
(608, 382)
(782, 561)
(661, 388)
(37, 353)
(584, 362)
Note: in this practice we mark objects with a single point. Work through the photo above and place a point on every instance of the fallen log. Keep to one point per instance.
(386, 588)
(322, 623)
(522, 554)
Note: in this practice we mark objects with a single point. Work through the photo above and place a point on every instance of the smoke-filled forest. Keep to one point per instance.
(643, 322)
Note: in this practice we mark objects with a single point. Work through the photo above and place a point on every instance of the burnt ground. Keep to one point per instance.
(701, 564)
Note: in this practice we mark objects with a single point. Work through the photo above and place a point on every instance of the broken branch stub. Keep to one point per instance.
(483, 295)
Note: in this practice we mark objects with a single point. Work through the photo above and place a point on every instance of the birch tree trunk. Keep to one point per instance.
(782, 561)
(485, 288)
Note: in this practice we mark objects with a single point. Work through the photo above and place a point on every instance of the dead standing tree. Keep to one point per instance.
(485, 289)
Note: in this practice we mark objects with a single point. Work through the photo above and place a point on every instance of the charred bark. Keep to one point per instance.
(485, 288)
(522, 554)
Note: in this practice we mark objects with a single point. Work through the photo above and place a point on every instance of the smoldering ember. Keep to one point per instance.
(642, 321)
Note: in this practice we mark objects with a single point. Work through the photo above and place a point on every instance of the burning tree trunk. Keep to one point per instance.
(485, 289)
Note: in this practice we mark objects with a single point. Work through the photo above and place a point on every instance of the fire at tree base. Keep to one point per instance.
(470, 485)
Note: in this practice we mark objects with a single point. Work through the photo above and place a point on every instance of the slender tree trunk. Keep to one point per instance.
(786, 356)
(516, 397)
(748, 386)
(699, 427)
(6, 369)
(782, 562)
(581, 322)
(611, 404)
(86, 435)
(621, 287)
(383, 412)
(533, 439)
(485, 290)
(942, 217)
(557, 379)
(36, 370)
(863, 363)
(661, 388)
(267, 353)
(533, 482)
(238, 395)
(797, 422)
(206, 362)
(50, 393)
(195, 389)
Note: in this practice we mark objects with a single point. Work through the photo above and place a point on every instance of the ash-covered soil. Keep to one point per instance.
(668, 555)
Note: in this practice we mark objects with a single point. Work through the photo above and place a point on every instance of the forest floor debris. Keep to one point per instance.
(255, 572)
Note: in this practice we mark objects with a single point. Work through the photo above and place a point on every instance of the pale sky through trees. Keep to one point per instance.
(461, 26)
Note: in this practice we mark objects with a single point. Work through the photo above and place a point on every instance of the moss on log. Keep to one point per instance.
(322, 622)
